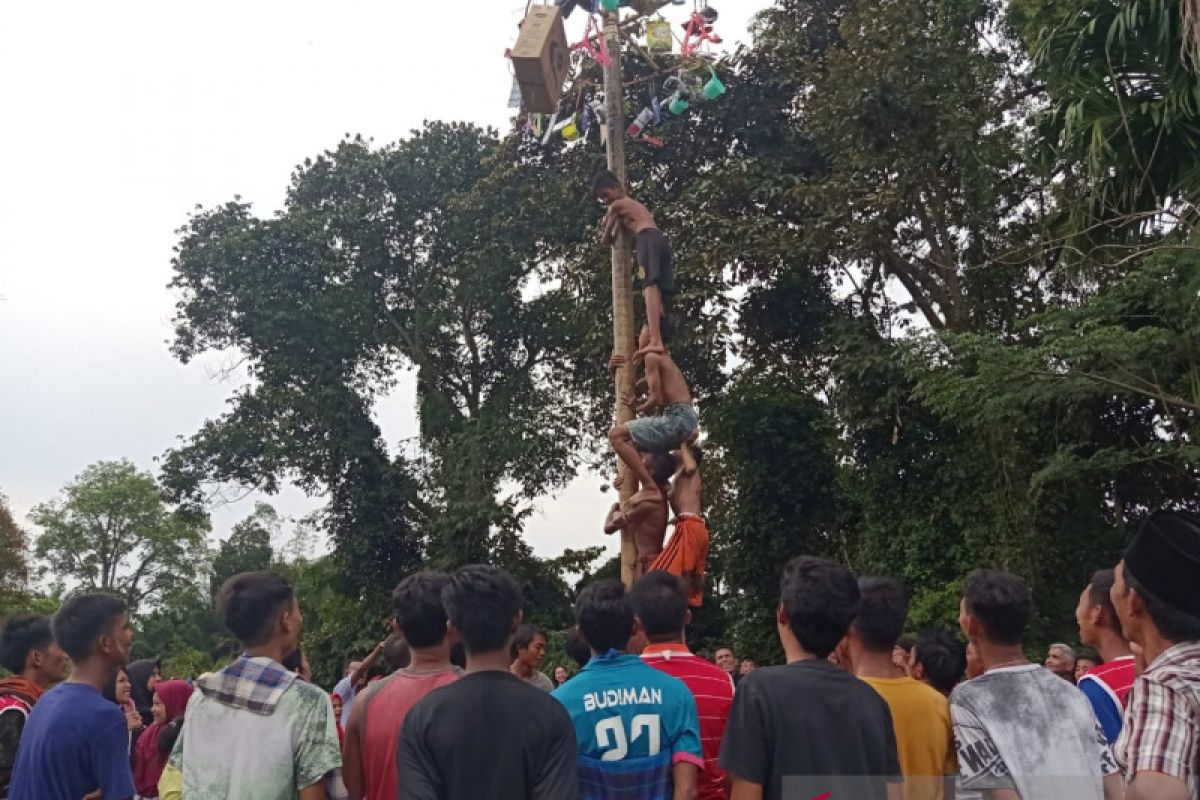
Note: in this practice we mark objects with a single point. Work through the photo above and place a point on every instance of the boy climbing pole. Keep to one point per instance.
(687, 552)
(677, 421)
(645, 514)
(655, 272)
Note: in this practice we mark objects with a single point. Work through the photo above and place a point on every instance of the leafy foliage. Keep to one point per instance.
(111, 531)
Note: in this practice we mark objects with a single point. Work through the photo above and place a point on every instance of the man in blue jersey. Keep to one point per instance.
(637, 728)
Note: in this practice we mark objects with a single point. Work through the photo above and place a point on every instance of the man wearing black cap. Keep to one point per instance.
(1157, 597)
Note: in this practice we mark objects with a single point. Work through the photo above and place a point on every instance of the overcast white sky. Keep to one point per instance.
(117, 119)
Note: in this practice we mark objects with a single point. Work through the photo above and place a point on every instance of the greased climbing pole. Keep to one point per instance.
(622, 266)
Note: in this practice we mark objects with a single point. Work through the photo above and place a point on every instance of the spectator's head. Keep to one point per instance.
(297, 662)
(577, 648)
(28, 648)
(420, 615)
(996, 607)
(94, 628)
(747, 666)
(170, 700)
(529, 646)
(661, 466)
(818, 600)
(606, 186)
(397, 653)
(338, 706)
(260, 610)
(938, 659)
(483, 604)
(975, 666)
(1096, 615)
(1155, 587)
(351, 667)
(882, 609)
(725, 659)
(605, 616)
(1085, 659)
(561, 676)
(1060, 659)
(660, 603)
(119, 690)
(902, 652)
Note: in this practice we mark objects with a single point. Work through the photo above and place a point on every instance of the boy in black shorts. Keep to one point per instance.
(655, 270)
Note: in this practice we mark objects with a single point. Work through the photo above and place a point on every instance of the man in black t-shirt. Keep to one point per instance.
(809, 729)
(489, 734)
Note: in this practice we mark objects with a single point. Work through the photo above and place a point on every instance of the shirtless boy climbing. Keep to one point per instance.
(666, 392)
(645, 514)
(655, 269)
(687, 552)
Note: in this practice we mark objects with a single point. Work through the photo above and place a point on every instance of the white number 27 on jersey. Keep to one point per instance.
(610, 733)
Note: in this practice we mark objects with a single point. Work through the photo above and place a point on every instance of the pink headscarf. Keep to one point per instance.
(147, 763)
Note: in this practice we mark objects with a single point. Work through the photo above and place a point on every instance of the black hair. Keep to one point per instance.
(1087, 653)
(294, 661)
(662, 467)
(83, 619)
(1001, 602)
(524, 637)
(882, 609)
(1174, 625)
(167, 736)
(110, 689)
(1098, 595)
(820, 598)
(251, 603)
(906, 643)
(604, 180)
(397, 652)
(482, 602)
(660, 603)
(943, 656)
(605, 615)
(420, 614)
(23, 634)
(458, 655)
(578, 648)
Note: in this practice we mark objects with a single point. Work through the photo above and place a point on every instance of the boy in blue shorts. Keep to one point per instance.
(666, 392)
(637, 727)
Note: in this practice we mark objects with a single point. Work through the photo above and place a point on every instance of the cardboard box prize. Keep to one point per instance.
(541, 59)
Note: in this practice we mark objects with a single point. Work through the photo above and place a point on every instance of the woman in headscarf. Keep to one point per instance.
(144, 675)
(170, 701)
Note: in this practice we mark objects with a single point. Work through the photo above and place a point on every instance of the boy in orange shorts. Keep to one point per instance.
(687, 551)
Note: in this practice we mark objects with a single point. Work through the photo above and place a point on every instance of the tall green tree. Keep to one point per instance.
(111, 530)
(14, 556)
(248, 548)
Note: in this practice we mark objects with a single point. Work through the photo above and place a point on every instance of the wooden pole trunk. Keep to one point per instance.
(622, 267)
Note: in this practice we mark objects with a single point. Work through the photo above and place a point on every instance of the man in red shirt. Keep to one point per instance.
(369, 767)
(1106, 686)
(661, 604)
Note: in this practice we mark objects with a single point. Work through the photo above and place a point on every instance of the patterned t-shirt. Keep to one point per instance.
(1027, 729)
(253, 730)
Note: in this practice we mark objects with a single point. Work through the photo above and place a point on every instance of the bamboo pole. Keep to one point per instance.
(622, 267)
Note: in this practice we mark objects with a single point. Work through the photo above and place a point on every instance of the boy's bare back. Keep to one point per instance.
(632, 215)
(685, 489)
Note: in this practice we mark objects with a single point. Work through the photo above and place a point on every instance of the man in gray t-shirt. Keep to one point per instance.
(1018, 726)
(529, 652)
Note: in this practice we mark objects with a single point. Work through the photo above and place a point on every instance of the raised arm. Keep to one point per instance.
(616, 519)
